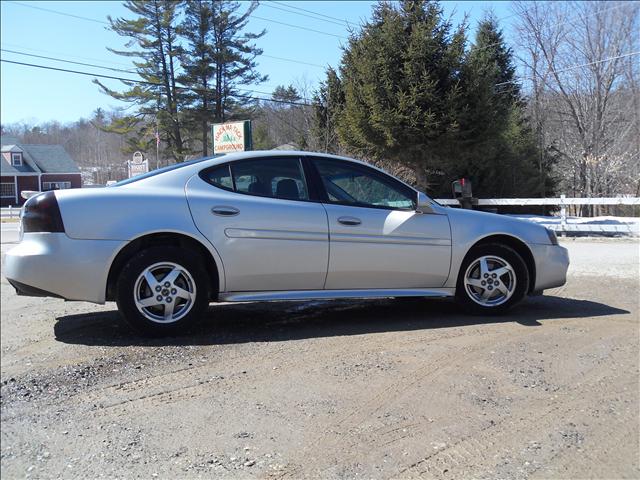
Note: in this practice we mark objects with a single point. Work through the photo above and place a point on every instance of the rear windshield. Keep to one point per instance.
(159, 171)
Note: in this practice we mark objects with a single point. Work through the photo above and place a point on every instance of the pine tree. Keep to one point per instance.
(153, 35)
(198, 68)
(220, 58)
(400, 78)
(495, 146)
(328, 105)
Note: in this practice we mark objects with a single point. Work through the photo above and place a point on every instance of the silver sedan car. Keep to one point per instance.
(262, 226)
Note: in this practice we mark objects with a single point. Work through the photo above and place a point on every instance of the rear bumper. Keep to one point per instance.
(52, 264)
(552, 263)
(29, 291)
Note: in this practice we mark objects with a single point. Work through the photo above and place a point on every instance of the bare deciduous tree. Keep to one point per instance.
(581, 63)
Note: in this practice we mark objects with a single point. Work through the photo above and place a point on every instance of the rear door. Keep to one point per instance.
(258, 215)
(377, 239)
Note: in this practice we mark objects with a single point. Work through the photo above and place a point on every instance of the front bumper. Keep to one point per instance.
(55, 265)
(552, 263)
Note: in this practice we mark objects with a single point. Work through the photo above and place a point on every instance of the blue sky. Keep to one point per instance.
(35, 95)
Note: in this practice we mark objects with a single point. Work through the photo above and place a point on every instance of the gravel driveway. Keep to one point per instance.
(394, 388)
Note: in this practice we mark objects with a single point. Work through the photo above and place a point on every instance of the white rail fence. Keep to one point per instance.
(561, 224)
(564, 224)
(9, 212)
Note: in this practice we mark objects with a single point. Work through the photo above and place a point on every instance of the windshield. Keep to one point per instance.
(159, 171)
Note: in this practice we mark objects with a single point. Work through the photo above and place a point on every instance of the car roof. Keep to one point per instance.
(193, 166)
(230, 157)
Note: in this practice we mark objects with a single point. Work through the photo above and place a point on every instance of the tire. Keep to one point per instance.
(155, 308)
(492, 279)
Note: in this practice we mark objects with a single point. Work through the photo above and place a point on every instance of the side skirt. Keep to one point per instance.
(334, 294)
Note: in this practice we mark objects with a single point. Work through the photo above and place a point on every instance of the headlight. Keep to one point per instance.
(552, 236)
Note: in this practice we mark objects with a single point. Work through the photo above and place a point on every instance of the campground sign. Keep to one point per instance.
(231, 137)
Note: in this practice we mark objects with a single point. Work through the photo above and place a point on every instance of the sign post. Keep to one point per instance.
(231, 137)
(137, 165)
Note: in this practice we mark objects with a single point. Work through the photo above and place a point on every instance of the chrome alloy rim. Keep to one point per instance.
(490, 281)
(164, 292)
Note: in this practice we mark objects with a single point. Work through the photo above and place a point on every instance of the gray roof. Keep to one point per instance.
(6, 169)
(28, 166)
(37, 158)
(51, 158)
(11, 148)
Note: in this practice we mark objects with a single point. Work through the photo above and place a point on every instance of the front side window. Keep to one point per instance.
(16, 159)
(349, 184)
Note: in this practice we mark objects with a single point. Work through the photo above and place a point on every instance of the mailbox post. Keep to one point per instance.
(462, 192)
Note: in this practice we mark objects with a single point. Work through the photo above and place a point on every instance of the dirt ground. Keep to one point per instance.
(392, 388)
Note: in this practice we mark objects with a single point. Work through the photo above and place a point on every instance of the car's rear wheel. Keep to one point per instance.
(492, 278)
(163, 290)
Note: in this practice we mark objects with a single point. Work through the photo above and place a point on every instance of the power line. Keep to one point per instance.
(309, 11)
(145, 82)
(573, 67)
(342, 24)
(293, 61)
(98, 66)
(95, 20)
(22, 47)
(299, 27)
(88, 19)
(67, 61)
(79, 17)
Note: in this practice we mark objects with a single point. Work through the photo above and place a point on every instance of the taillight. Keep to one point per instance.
(42, 214)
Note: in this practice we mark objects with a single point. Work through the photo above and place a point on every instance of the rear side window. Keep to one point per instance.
(265, 177)
(219, 177)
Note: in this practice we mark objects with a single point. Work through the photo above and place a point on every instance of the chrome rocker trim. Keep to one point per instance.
(334, 294)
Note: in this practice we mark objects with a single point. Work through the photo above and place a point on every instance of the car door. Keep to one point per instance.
(258, 215)
(377, 239)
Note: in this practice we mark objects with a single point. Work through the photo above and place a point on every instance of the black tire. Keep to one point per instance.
(465, 299)
(160, 259)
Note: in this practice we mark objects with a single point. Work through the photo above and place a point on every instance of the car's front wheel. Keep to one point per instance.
(162, 290)
(492, 278)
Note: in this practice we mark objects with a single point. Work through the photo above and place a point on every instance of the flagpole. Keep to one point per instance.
(157, 145)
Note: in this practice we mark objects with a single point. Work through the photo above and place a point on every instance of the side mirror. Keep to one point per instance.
(424, 204)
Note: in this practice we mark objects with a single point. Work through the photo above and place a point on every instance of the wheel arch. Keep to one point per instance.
(516, 244)
(212, 265)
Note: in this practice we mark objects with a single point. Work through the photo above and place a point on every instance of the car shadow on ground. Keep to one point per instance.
(284, 321)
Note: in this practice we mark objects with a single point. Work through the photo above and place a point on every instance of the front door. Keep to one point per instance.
(377, 240)
(258, 216)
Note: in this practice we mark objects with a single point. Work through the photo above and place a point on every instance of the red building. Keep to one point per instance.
(34, 167)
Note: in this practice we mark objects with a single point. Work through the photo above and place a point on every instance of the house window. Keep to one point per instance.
(55, 186)
(16, 159)
(7, 190)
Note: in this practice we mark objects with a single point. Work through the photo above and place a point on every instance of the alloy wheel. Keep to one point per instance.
(490, 281)
(164, 292)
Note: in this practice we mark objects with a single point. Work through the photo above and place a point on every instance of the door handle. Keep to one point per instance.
(223, 211)
(349, 221)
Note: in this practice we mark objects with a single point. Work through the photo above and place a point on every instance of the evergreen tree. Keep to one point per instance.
(198, 69)
(219, 59)
(283, 94)
(153, 43)
(495, 146)
(400, 76)
(328, 105)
